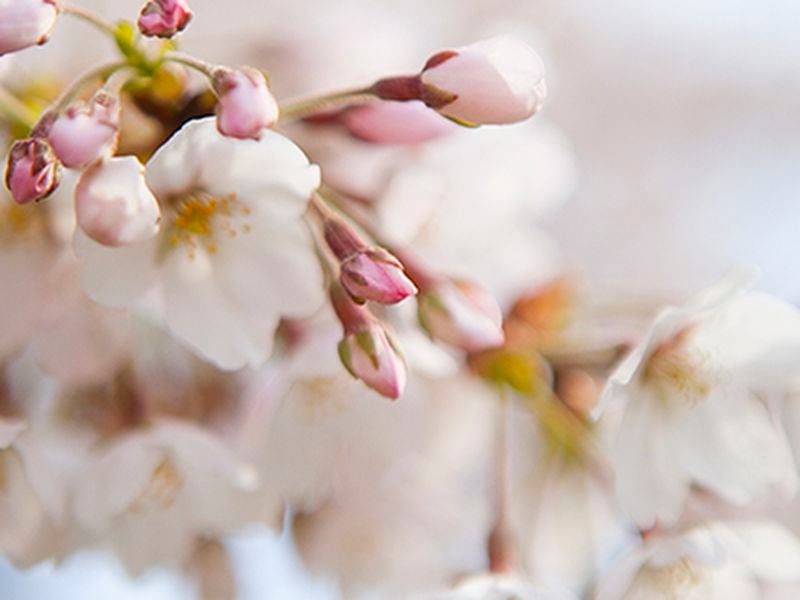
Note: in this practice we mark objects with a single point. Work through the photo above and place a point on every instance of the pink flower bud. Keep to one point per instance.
(246, 106)
(366, 273)
(86, 132)
(164, 18)
(461, 314)
(113, 204)
(390, 122)
(376, 275)
(368, 351)
(372, 356)
(33, 171)
(494, 81)
(25, 23)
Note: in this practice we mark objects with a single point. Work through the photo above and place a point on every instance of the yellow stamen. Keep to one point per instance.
(201, 220)
(677, 370)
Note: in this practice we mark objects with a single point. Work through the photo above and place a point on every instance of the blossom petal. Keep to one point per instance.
(116, 277)
(270, 170)
(729, 445)
(199, 449)
(650, 486)
(198, 312)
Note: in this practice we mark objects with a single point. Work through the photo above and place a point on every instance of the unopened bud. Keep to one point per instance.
(86, 132)
(32, 171)
(367, 273)
(246, 106)
(495, 81)
(376, 275)
(367, 350)
(401, 123)
(25, 23)
(113, 204)
(461, 314)
(164, 18)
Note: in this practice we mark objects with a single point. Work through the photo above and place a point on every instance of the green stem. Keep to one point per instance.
(414, 268)
(90, 17)
(102, 72)
(300, 109)
(13, 109)
(186, 60)
(329, 198)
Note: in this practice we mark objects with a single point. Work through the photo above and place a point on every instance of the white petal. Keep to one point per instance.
(271, 170)
(773, 552)
(615, 584)
(757, 337)
(650, 486)
(199, 313)
(197, 449)
(729, 445)
(668, 323)
(26, 534)
(116, 276)
(272, 270)
(118, 476)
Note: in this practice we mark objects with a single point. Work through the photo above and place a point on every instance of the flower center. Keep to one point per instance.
(677, 370)
(681, 579)
(161, 490)
(201, 221)
(323, 398)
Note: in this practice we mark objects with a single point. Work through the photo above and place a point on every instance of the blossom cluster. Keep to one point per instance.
(338, 316)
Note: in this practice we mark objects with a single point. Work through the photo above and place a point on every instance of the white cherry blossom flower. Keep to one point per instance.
(233, 255)
(391, 494)
(694, 395)
(150, 492)
(714, 561)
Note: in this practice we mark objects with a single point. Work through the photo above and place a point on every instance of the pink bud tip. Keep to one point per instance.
(368, 351)
(494, 81)
(402, 123)
(25, 23)
(86, 132)
(371, 355)
(376, 275)
(33, 171)
(462, 315)
(164, 18)
(113, 204)
(246, 106)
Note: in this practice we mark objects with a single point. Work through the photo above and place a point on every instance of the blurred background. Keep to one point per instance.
(683, 121)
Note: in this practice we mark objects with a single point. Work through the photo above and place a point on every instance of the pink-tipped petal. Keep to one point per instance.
(371, 356)
(32, 171)
(246, 106)
(495, 81)
(164, 18)
(376, 275)
(25, 23)
(86, 132)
